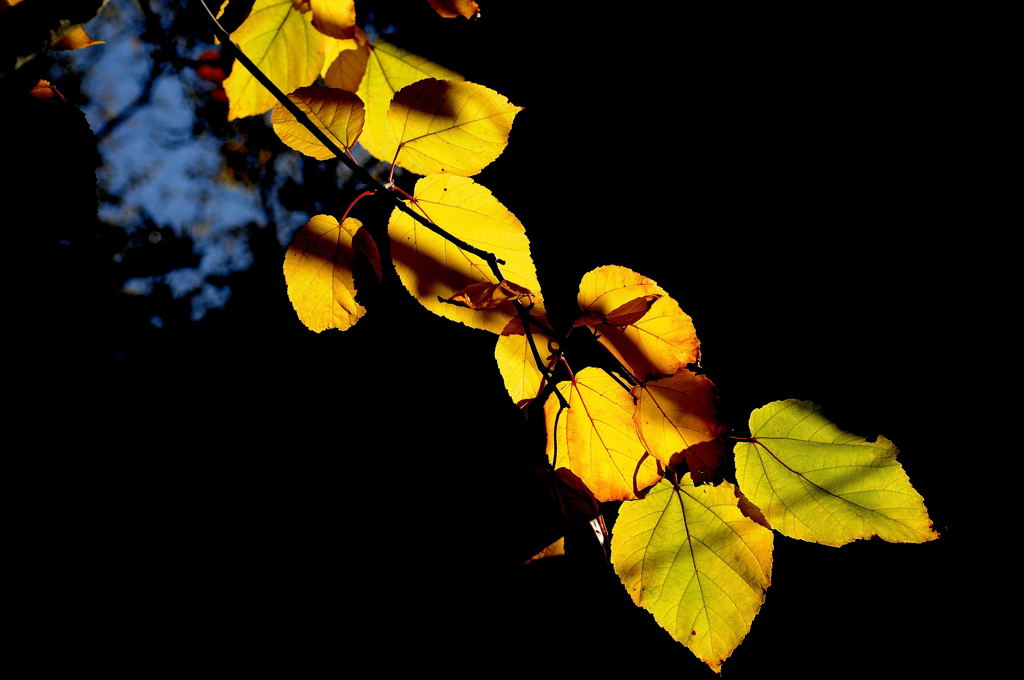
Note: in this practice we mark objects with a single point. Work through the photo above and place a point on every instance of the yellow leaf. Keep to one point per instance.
(282, 42)
(220, 13)
(445, 126)
(689, 556)
(607, 288)
(450, 9)
(430, 267)
(596, 439)
(318, 273)
(345, 77)
(389, 69)
(337, 112)
(818, 483)
(656, 343)
(676, 413)
(336, 18)
(518, 367)
(659, 344)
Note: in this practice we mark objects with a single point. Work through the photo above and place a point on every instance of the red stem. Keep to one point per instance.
(353, 203)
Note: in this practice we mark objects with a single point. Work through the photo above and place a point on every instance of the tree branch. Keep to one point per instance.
(378, 188)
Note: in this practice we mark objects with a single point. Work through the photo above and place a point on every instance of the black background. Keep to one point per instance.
(247, 495)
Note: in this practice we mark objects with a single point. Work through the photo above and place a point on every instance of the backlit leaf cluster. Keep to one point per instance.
(639, 425)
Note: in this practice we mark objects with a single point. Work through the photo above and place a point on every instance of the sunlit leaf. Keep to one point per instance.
(517, 364)
(606, 289)
(318, 273)
(336, 112)
(75, 39)
(282, 42)
(595, 437)
(660, 343)
(388, 69)
(654, 343)
(450, 9)
(430, 267)
(336, 18)
(676, 414)
(818, 483)
(689, 556)
(446, 126)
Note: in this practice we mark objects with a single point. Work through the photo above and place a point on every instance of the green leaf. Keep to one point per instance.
(818, 483)
(689, 556)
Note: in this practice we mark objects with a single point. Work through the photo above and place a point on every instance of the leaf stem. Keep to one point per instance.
(403, 192)
(353, 204)
(572, 376)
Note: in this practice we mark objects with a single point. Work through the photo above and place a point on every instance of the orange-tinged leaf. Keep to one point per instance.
(554, 549)
(318, 272)
(389, 69)
(487, 295)
(75, 39)
(676, 414)
(336, 18)
(337, 112)
(282, 42)
(632, 311)
(450, 9)
(44, 89)
(345, 75)
(430, 267)
(690, 557)
(595, 437)
(449, 126)
(518, 366)
(345, 68)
